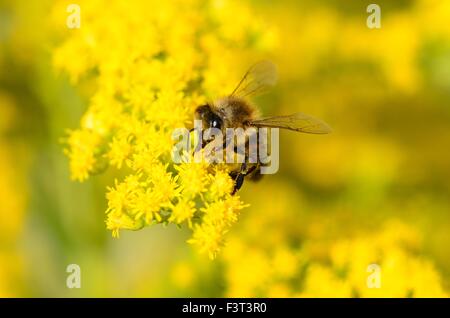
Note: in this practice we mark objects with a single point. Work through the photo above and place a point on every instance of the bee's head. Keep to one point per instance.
(209, 118)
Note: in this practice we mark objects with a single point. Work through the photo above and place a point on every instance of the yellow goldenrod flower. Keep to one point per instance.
(217, 218)
(291, 254)
(115, 222)
(220, 184)
(193, 178)
(208, 238)
(148, 83)
(83, 147)
(183, 210)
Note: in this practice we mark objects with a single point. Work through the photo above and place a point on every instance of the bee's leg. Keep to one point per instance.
(256, 174)
(238, 183)
(239, 179)
(240, 175)
(233, 174)
(249, 171)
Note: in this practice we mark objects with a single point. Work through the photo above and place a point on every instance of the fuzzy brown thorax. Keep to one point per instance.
(234, 112)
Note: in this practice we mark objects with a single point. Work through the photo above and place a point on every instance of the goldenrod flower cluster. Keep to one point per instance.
(340, 269)
(291, 254)
(150, 63)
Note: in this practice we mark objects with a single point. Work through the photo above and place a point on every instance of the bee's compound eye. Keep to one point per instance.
(215, 123)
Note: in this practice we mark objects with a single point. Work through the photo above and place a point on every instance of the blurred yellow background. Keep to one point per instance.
(375, 191)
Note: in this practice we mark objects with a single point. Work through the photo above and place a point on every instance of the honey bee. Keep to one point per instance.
(234, 111)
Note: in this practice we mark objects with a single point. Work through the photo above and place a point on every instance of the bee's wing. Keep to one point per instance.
(297, 122)
(258, 79)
